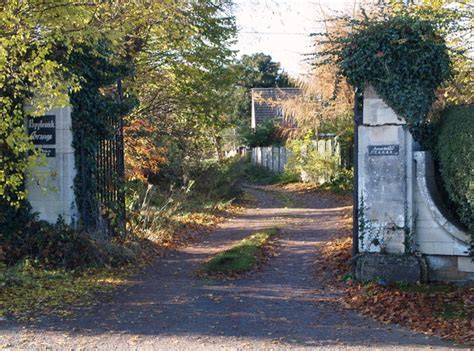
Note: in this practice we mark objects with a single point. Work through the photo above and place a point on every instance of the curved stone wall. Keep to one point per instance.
(437, 236)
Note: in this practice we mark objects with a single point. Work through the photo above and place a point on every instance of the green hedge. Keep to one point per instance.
(455, 154)
(266, 133)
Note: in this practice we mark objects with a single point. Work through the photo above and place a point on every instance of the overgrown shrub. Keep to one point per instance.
(150, 211)
(404, 57)
(341, 182)
(455, 154)
(13, 223)
(305, 159)
(254, 174)
(154, 211)
(61, 246)
(259, 175)
(265, 134)
(219, 180)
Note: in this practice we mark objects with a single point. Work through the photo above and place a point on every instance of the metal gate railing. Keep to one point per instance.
(102, 173)
(110, 177)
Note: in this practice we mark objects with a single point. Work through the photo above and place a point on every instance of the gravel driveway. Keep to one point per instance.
(282, 305)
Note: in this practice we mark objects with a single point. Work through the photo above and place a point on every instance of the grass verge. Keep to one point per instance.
(30, 292)
(244, 256)
(51, 269)
(30, 289)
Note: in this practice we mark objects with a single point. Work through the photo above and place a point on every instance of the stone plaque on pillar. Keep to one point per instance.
(50, 188)
(384, 156)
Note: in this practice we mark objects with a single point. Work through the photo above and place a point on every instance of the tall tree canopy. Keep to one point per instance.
(259, 70)
(181, 82)
(176, 52)
(327, 99)
(252, 71)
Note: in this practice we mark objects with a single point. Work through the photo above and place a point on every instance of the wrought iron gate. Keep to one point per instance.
(110, 177)
(101, 167)
(358, 109)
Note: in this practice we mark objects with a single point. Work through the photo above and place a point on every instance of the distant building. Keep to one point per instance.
(265, 103)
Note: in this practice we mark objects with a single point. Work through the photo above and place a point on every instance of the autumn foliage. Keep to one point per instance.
(143, 156)
(441, 310)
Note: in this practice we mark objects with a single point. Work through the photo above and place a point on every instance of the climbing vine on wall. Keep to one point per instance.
(402, 57)
(94, 106)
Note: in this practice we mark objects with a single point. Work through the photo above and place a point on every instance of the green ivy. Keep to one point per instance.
(94, 105)
(402, 57)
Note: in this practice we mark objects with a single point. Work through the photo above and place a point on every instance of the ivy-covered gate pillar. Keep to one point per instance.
(385, 194)
(50, 190)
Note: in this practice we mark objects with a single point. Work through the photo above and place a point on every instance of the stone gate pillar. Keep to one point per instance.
(50, 188)
(385, 178)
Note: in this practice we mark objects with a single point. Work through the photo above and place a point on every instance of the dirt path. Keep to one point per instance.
(281, 306)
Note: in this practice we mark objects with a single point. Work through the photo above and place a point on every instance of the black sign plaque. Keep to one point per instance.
(384, 150)
(42, 130)
(48, 151)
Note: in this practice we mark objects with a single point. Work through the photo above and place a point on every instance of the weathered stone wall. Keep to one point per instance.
(400, 211)
(437, 236)
(384, 178)
(50, 187)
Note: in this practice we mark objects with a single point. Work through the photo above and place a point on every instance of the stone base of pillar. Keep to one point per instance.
(390, 268)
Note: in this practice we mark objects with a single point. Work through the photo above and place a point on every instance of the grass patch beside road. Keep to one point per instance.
(28, 292)
(244, 256)
(285, 200)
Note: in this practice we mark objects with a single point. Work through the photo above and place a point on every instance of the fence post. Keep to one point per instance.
(279, 160)
(266, 157)
(282, 158)
(272, 159)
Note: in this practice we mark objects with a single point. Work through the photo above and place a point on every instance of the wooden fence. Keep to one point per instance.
(270, 157)
(275, 158)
